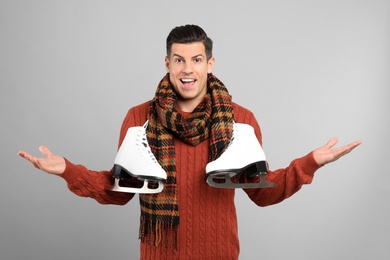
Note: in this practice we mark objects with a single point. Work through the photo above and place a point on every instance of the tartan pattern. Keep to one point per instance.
(212, 118)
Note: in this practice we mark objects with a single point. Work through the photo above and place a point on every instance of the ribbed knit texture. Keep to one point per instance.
(208, 224)
(202, 230)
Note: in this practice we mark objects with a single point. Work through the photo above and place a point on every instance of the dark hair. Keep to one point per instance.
(189, 34)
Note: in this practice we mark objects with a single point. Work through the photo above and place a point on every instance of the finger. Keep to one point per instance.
(349, 147)
(346, 149)
(45, 151)
(332, 142)
(32, 159)
(356, 143)
(22, 154)
(25, 155)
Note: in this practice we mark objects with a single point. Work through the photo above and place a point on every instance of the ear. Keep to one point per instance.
(210, 64)
(167, 67)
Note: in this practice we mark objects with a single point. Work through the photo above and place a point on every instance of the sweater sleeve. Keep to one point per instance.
(97, 184)
(93, 184)
(288, 180)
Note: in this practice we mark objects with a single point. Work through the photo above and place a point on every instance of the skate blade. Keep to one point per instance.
(145, 189)
(223, 178)
(120, 172)
(226, 182)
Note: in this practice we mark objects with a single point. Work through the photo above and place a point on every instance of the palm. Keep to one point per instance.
(52, 163)
(327, 154)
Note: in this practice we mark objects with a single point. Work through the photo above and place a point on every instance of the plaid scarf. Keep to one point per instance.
(212, 118)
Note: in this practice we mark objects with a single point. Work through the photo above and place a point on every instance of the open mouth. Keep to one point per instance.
(187, 81)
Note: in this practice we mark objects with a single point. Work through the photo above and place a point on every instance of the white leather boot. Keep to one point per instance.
(244, 158)
(135, 158)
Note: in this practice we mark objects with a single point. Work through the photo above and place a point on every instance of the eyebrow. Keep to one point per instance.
(177, 55)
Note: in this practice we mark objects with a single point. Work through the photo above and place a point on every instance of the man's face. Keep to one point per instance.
(188, 67)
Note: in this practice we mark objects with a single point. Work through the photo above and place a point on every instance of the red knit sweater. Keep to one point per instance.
(208, 221)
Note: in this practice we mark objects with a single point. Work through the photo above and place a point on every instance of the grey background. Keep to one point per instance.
(309, 70)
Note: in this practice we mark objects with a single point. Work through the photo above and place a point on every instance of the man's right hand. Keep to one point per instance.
(52, 164)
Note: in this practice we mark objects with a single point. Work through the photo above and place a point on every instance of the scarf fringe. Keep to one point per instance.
(153, 231)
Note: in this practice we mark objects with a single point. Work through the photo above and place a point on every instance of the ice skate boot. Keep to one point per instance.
(135, 159)
(241, 162)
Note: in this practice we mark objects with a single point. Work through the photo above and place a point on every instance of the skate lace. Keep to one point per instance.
(235, 135)
(143, 146)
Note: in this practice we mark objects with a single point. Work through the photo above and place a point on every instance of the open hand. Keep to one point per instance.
(52, 164)
(327, 154)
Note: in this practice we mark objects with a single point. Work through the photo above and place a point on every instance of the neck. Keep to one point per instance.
(187, 105)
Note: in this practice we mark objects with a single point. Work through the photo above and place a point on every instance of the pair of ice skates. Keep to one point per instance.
(237, 167)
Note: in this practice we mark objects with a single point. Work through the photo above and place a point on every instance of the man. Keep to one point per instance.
(190, 123)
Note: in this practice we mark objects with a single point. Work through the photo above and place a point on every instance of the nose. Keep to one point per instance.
(187, 69)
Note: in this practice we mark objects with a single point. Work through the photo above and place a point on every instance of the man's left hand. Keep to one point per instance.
(327, 154)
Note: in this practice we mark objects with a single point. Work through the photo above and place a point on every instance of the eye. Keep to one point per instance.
(197, 60)
(178, 60)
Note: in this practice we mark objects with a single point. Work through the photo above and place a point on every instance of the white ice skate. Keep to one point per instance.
(136, 159)
(243, 159)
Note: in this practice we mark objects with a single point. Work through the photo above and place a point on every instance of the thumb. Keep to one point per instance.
(332, 142)
(43, 149)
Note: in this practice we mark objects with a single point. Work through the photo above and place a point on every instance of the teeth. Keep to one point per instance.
(187, 80)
